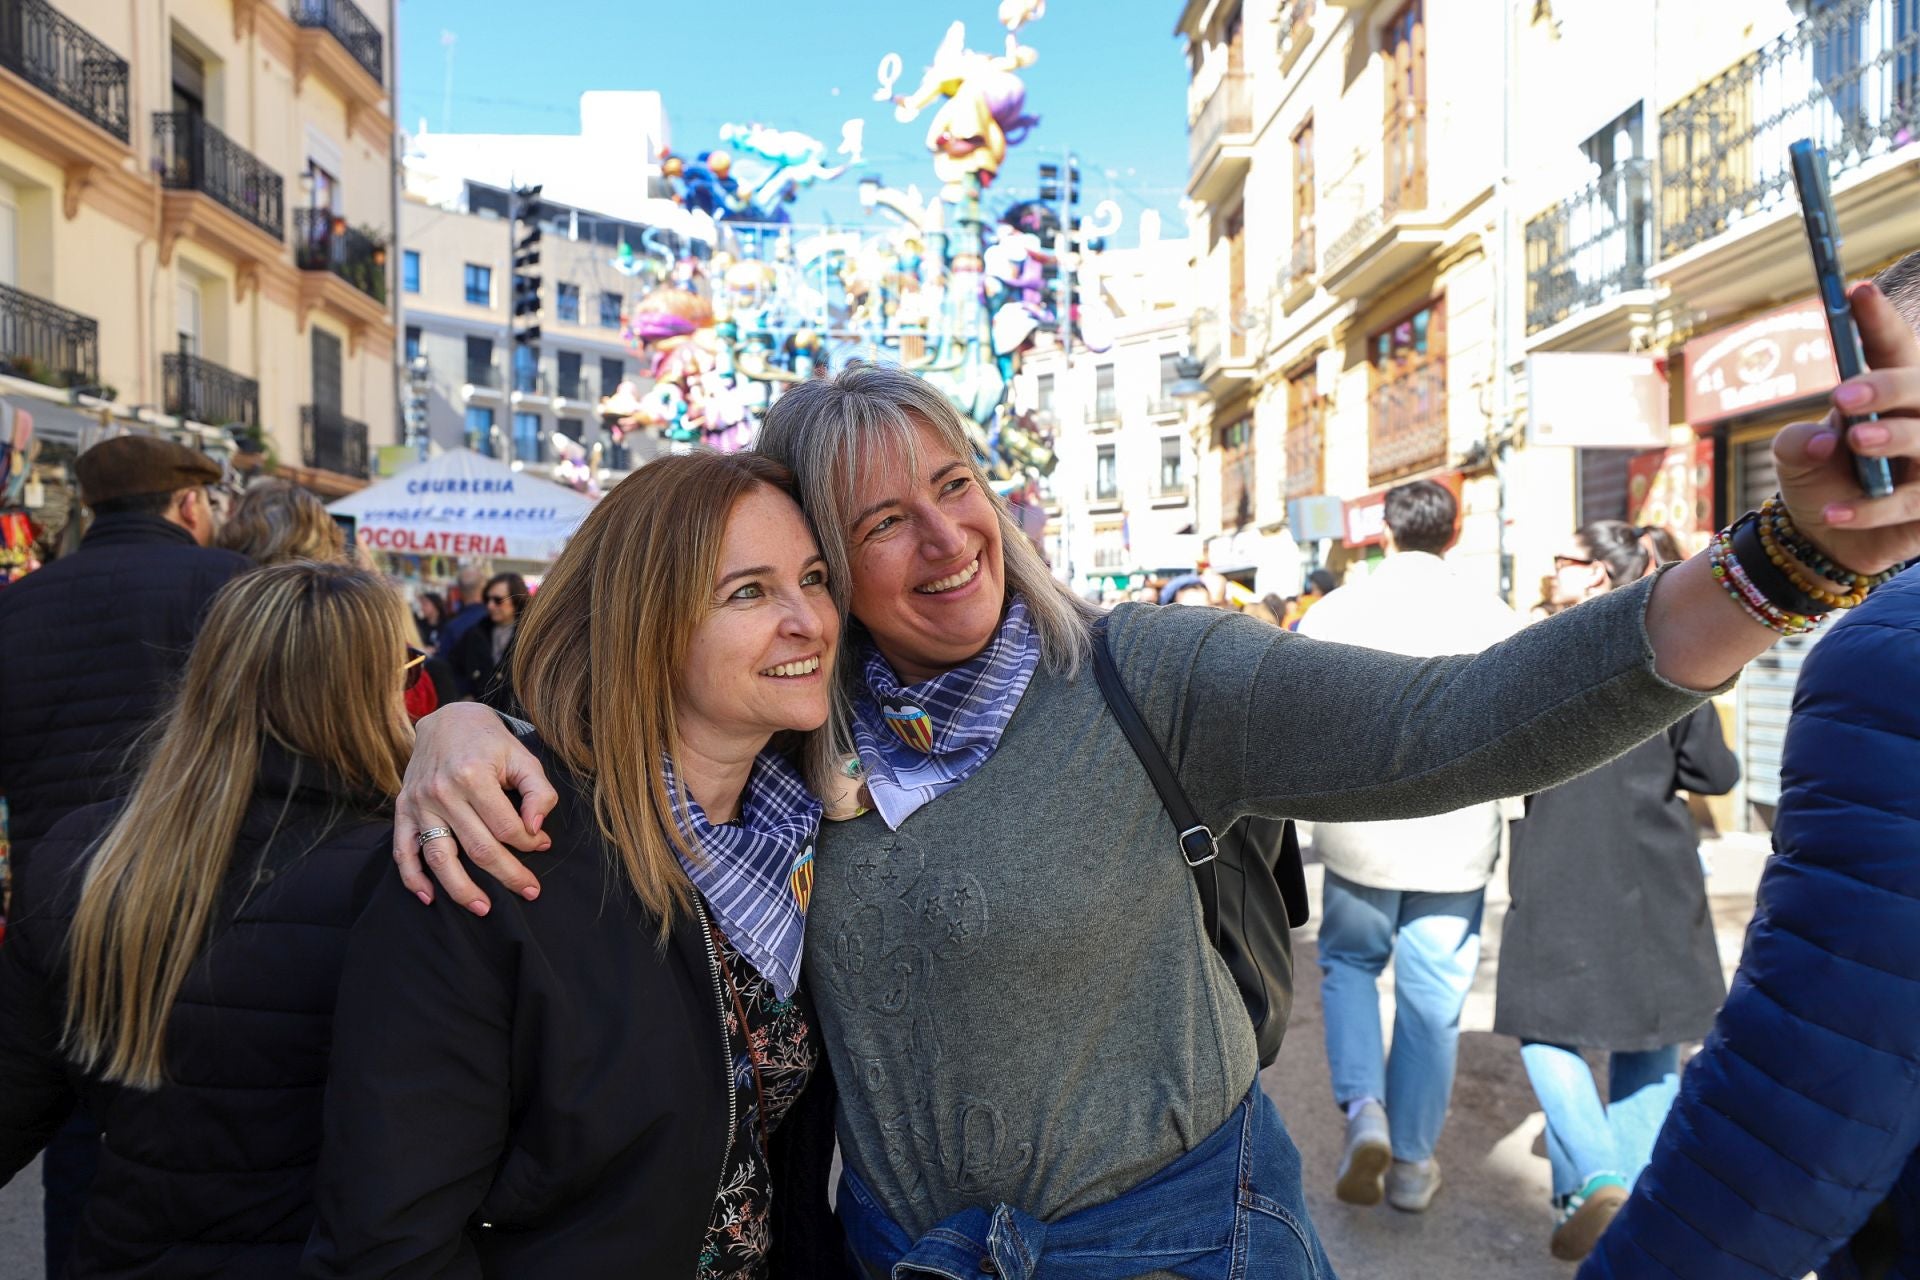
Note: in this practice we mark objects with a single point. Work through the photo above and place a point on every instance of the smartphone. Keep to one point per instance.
(1823, 240)
(349, 527)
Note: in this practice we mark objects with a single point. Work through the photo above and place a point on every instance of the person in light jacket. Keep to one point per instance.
(1411, 890)
(1609, 943)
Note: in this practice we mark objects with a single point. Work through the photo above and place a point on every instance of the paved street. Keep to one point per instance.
(1491, 1220)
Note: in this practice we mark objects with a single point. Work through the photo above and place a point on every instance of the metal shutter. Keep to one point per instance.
(1766, 689)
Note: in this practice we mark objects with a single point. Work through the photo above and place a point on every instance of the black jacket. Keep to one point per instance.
(481, 678)
(211, 1175)
(88, 648)
(544, 1091)
(1609, 942)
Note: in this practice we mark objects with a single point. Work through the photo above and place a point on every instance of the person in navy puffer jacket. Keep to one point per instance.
(1794, 1146)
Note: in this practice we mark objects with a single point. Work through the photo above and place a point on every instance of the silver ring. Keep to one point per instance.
(431, 833)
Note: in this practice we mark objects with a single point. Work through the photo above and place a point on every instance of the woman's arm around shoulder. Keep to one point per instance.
(418, 1092)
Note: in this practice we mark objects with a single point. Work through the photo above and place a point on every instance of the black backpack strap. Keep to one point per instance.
(1196, 839)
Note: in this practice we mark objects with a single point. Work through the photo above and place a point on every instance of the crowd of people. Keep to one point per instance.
(599, 985)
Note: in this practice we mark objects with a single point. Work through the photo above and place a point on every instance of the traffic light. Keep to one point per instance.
(1049, 182)
(525, 203)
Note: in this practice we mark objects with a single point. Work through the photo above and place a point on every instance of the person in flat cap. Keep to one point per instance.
(91, 643)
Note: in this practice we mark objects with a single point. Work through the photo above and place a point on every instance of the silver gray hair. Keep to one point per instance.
(827, 430)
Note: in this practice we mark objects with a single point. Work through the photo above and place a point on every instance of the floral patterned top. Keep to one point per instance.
(774, 1053)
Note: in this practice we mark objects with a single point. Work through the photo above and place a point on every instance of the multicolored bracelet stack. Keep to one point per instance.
(1778, 577)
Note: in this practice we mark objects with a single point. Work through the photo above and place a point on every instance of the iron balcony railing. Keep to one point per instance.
(1379, 187)
(331, 441)
(483, 375)
(57, 55)
(323, 242)
(1299, 268)
(1592, 246)
(349, 26)
(1847, 76)
(193, 155)
(191, 387)
(1228, 110)
(574, 387)
(46, 343)
(1407, 422)
(1307, 453)
(1163, 404)
(1102, 412)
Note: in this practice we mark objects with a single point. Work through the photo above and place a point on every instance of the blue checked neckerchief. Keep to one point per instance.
(757, 874)
(922, 740)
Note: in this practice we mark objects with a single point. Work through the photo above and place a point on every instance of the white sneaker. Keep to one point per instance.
(1364, 1163)
(1411, 1184)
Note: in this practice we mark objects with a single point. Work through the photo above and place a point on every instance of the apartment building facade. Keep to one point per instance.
(1122, 495)
(196, 204)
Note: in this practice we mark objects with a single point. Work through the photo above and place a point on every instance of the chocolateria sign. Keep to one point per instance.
(1772, 359)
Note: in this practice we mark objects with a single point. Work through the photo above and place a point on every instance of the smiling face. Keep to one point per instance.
(762, 658)
(929, 582)
(1577, 574)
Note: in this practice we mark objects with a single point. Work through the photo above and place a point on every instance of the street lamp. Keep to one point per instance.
(1188, 385)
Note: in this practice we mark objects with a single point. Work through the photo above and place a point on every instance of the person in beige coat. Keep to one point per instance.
(1411, 890)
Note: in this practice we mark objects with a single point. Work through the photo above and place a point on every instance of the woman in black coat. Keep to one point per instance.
(614, 1080)
(483, 657)
(173, 958)
(1609, 943)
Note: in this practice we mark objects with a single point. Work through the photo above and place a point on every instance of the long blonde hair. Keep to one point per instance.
(828, 430)
(306, 655)
(276, 521)
(601, 647)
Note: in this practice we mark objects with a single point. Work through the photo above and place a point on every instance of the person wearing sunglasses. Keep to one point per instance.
(481, 658)
(173, 957)
(1608, 944)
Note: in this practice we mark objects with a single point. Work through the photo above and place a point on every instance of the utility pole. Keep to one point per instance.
(523, 255)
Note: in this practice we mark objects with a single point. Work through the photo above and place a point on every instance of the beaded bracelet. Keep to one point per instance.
(1778, 583)
(1778, 528)
(1728, 572)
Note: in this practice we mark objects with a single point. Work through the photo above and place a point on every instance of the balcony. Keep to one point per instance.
(334, 40)
(331, 441)
(205, 392)
(193, 155)
(343, 20)
(1296, 275)
(1848, 77)
(344, 271)
(575, 387)
(1407, 422)
(1103, 414)
(1306, 453)
(484, 378)
(1591, 247)
(1164, 406)
(62, 59)
(1382, 202)
(45, 343)
(1296, 31)
(1220, 138)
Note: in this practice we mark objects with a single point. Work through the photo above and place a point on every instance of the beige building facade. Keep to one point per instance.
(196, 204)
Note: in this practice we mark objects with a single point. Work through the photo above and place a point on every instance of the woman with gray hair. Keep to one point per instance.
(1044, 1067)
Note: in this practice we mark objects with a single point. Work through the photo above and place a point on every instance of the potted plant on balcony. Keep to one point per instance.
(253, 450)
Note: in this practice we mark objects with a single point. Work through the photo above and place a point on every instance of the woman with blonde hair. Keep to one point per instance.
(600, 1083)
(172, 959)
(276, 520)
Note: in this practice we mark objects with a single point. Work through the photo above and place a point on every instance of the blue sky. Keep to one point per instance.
(1109, 83)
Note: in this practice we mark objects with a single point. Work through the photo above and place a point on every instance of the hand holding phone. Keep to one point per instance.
(1823, 241)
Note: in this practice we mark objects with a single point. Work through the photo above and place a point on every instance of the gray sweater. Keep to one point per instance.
(1018, 997)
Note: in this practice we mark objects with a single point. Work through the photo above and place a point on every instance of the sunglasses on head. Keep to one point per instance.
(415, 665)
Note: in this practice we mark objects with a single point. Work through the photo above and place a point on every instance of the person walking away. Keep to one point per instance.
(1609, 942)
(1411, 890)
(1794, 1145)
(174, 956)
(606, 1082)
(480, 657)
(276, 521)
(90, 644)
(470, 585)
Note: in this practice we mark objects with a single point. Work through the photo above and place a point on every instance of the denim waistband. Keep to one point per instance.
(1190, 1217)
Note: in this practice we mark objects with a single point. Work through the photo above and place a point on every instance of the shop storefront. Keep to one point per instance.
(1743, 384)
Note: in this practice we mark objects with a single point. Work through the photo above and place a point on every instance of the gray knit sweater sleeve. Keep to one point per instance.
(1263, 721)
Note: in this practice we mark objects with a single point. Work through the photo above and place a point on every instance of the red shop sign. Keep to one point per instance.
(1772, 359)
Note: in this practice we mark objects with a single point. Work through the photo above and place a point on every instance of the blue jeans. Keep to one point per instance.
(1434, 941)
(1586, 1137)
(1230, 1209)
